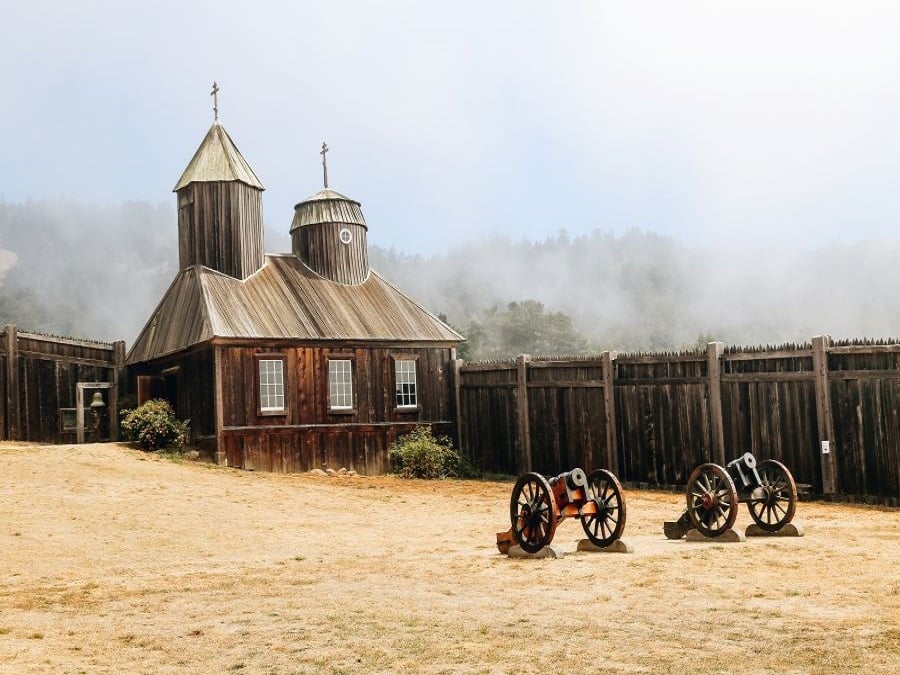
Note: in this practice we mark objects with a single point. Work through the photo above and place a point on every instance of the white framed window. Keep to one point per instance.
(340, 384)
(271, 385)
(405, 383)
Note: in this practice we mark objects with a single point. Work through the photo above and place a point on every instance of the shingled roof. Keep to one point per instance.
(283, 300)
(218, 159)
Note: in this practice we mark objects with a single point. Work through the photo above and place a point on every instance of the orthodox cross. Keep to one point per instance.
(324, 163)
(215, 94)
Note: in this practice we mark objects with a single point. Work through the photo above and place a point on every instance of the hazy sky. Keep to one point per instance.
(707, 121)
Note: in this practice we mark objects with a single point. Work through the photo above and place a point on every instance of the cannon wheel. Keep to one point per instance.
(533, 512)
(711, 500)
(604, 527)
(772, 504)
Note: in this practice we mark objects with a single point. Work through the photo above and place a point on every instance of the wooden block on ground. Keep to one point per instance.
(729, 536)
(546, 552)
(789, 530)
(618, 546)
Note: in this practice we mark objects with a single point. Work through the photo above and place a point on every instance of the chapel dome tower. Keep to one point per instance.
(220, 221)
(329, 235)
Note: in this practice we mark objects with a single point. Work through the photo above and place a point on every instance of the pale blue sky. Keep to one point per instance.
(747, 122)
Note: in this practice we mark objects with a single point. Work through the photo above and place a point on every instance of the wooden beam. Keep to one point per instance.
(91, 344)
(118, 379)
(609, 411)
(863, 374)
(786, 376)
(763, 356)
(218, 368)
(654, 381)
(489, 367)
(567, 363)
(457, 400)
(523, 429)
(13, 423)
(714, 351)
(567, 384)
(824, 420)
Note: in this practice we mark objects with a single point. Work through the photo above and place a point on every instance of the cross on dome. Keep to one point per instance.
(215, 94)
(324, 163)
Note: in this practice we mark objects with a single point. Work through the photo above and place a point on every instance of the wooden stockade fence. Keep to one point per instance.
(45, 383)
(829, 411)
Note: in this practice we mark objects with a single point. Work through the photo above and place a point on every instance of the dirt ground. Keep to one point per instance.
(115, 561)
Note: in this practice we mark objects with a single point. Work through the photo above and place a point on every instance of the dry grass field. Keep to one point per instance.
(115, 561)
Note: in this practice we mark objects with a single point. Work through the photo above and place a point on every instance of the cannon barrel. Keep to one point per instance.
(743, 470)
(576, 478)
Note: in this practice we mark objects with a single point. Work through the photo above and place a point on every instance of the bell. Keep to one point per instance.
(97, 401)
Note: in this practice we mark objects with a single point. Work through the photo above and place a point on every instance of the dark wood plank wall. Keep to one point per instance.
(4, 431)
(566, 415)
(664, 418)
(320, 247)
(488, 416)
(308, 435)
(220, 225)
(865, 396)
(769, 408)
(44, 379)
(194, 375)
(362, 448)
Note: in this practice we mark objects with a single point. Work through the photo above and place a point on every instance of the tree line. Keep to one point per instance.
(95, 271)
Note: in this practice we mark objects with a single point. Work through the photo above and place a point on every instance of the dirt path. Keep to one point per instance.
(117, 561)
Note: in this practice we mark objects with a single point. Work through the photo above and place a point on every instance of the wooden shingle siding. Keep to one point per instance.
(217, 159)
(320, 247)
(315, 236)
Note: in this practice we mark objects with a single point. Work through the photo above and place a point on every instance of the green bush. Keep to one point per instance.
(419, 454)
(154, 426)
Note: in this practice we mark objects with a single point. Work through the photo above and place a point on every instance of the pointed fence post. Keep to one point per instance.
(118, 382)
(457, 401)
(609, 409)
(714, 352)
(824, 419)
(13, 426)
(523, 430)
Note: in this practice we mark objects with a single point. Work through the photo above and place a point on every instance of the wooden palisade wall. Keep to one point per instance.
(652, 418)
(39, 375)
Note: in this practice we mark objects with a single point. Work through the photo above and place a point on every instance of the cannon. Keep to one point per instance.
(538, 505)
(713, 493)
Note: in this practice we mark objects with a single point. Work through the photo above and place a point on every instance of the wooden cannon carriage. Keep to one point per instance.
(538, 505)
(713, 493)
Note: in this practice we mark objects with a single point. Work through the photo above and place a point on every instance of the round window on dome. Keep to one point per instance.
(345, 235)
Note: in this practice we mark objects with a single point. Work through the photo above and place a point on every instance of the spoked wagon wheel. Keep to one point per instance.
(604, 527)
(711, 500)
(772, 504)
(533, 512)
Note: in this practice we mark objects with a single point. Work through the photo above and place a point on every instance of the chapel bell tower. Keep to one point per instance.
(220, 221)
